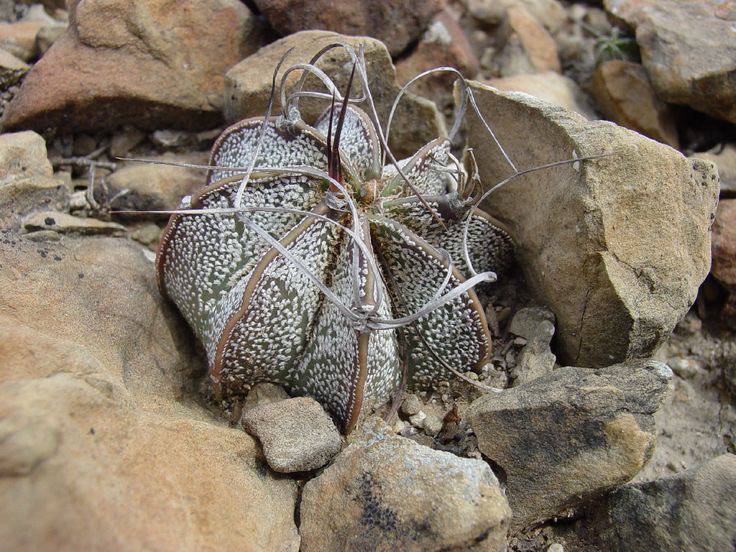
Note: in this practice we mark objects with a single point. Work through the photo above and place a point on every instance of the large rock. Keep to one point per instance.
(688, 48)
(248, 86)
(618, 246)
(82, 468)
(389, 493)
(693, 510)
(550, 87)
(569, 436)
(102, 446)
(397, 23)
(625, 95)
(138, 62)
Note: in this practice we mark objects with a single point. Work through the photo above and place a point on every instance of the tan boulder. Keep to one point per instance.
(618, 246)
(550, 87)
(103, 444)
(137, 62)
(248, 86)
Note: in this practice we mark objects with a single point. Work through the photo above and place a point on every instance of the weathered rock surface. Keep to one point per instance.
(725, 160)
(571, 435)
(688, 49)
(297, 435)
(389, 493)
(95, 415)
(527, 46)
(64, 223)
(550, 87)
(625, 95)
(443, 45)
(548, 12)
(157, 187)
(693, 510)
(248, 86)
(616, 247)
(724, 252)
(20, 38)
(138, 62)
(396, 23)
(26, 178)
(536, 326)
(23, 155)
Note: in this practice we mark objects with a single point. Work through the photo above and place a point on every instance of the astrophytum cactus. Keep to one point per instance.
(306, 262)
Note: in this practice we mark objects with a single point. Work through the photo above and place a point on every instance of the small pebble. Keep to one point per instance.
(432, 425)
(417, 420)
(556, 547)
(411, 405)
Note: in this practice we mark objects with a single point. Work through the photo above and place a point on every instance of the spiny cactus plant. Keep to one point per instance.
(314, 259)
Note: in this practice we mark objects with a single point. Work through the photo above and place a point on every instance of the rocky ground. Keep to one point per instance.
(614, 338)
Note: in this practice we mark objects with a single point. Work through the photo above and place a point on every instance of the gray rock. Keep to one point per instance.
(248, 86)
(389, 493)
(296, 434)
(565, 437)
(535, 324)
(617, 247)
(411, 405)
(693, 510)
(688, 49)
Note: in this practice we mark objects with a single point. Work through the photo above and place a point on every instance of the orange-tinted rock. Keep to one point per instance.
(625, 95)
(394, 22)
(529, 48)
(443, 45)
(138, 62)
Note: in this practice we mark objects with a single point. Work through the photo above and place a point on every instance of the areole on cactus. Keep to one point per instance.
(314, 259)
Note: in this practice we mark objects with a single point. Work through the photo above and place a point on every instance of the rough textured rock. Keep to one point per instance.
(616, 247)
(248, 86)
(688, 48)
(23, 155)
(571, 435)
(527, 46)
(693, 510)
(96, 417)
(64, 223)
(724, 252)
(20, 38)
(81, 468)
(443, 45)
(156, 187)
(548, 12)
(396, 23)
(26, 178)
(137, 62)
(725, 160)
(12, 69)
(536, 326)
(550, 87)
(389, 493)
(625, 96)
(296, 434)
